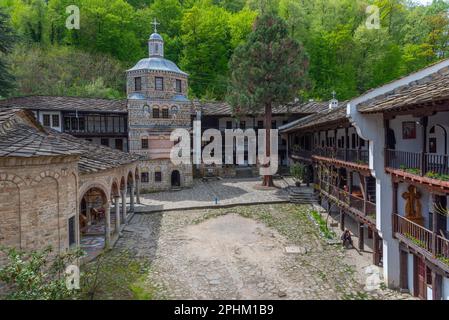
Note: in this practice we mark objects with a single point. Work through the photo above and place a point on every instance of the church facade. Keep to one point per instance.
(157, 104)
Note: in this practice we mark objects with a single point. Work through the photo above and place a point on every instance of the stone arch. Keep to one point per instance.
(97, 185)
(115, 188)
(12, 178)
(45, 174)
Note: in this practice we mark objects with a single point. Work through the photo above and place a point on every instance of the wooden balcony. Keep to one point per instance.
(429, 165)
(364, 209)
(423, 240)
(357, 156)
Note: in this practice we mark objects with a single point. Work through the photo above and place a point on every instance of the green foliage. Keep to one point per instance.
(37, 275)
(202, 35)
(65, 71)
(268, 70)
(6, 40)
(438, 176)
(298, 170)
(115, 275)
(322, 224)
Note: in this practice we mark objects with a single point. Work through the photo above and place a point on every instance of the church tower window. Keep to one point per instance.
(137, 84)
(159, 83)
(144, 143)
(165, 113)
(178, 86)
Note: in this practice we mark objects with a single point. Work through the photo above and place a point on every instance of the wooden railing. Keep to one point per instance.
(350, 155)
(307, 154)
(422, 237)
(423, 164)
(442, 247)
(363, 206)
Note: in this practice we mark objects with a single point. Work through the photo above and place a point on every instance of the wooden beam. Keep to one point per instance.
(361, 236)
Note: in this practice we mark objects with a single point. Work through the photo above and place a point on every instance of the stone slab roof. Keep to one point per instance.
(328, 116)
(94, 157)
(66, 104)
(428, 90)
(224, 109)
(22, 136)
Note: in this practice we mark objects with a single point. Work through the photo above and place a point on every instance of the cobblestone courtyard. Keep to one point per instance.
(247, 252)
(203, 194)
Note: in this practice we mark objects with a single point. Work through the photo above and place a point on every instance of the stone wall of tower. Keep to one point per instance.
(148, 88)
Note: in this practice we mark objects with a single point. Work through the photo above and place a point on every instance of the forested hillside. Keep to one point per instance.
(201, 36)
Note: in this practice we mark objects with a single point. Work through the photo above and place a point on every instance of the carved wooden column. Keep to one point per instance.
(361, 236)
(424, 122)
(342, 220)
(376, 253)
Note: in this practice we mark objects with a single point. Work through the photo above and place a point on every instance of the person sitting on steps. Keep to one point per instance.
(347, 239)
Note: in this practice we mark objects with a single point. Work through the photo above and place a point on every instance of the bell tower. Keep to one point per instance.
(155, 43)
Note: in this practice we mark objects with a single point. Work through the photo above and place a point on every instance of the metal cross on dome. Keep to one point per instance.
(155, 24)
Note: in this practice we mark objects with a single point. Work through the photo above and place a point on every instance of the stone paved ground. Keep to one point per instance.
(240, 253)
(203, 194)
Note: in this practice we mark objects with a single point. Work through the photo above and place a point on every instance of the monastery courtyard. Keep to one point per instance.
(261, 251)
(214, 193)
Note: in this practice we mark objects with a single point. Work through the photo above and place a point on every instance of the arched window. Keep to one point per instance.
(165, 113)
(155, 112)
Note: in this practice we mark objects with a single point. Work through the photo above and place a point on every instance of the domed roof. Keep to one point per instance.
(158, 64)
(156, 36)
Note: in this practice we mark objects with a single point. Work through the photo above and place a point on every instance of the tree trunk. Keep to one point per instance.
(268, 180)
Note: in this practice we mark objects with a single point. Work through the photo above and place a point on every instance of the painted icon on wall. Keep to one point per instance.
(432, 145)
(408, 130)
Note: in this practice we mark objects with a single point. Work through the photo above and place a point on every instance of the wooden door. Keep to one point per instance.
(420, 278)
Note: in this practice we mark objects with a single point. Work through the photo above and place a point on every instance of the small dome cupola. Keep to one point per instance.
(156, 43)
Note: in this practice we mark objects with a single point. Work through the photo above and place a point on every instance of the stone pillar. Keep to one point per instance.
(131, 198)
(138, 192)
(123, 213)
(107, 226)
(117, 213)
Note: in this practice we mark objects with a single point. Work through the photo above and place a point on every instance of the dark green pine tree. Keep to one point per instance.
(267, 71)
(6, 41)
